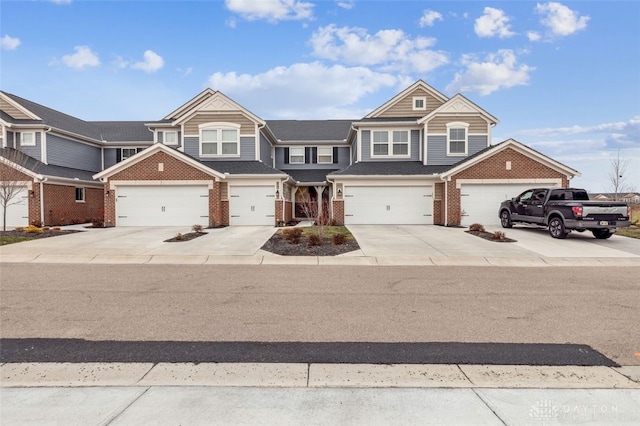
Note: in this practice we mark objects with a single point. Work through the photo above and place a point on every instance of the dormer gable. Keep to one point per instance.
(415, 101)
(459, 106)
(15, 110)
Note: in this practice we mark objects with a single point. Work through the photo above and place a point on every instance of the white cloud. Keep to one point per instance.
(493, 23)
(271, 10)
(392, 50)
(83, 57)
(152, 62)
(346, 4)
(61, 1)
(561, 20)
(484, 76)
(429, 17)
(533, 36)
(9, 43)
(304, 90)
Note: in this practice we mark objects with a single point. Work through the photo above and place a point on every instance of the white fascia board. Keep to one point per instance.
(19, 107)
(404, 93)
(150, 151)
(56, 180)
(249, 176)
(190, 103)
(21, 169)
(186, 115)
(471, 108)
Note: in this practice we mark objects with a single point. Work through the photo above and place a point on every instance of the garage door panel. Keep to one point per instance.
(163, 205)
(251, 205)
(480, 203)
(17, 210)
(388, 205)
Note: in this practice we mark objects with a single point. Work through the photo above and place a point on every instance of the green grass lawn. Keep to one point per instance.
(12, 239)
(329, 231)
(631, 232)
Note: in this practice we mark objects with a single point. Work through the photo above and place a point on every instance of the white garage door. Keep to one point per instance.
(162, 205)
(480, 203)
(252, 205)
(397, 205)
(17, 209)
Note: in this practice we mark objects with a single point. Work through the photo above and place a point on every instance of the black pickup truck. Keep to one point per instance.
(564, 210)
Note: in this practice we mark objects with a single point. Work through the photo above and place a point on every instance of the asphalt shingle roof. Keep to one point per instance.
(241, 167)
(124, 131)
(390, 168)
(310, 130)
(309, 176)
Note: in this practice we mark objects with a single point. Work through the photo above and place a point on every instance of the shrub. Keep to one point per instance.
(179, 237)
(292, 235)
(197, 228)
(477, 227)
(97, 222)
(339, 239)
(33, 229)
(314, 240)
(20, 228)
(499, 235)
(37, 223)
(57, 228)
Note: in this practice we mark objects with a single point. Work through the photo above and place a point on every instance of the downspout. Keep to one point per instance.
(260, 127)
(446, 204)
(43, 147)
(42, 200)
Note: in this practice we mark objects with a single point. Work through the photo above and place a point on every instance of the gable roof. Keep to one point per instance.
(400, 96)
(390, 168)
(148, 152)
(208, 100)
(516, 146)
(308, 176)
(458, 105)
(310, 130)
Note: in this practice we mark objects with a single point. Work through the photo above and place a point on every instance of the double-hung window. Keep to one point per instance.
(79, 194)
(457, 138)
(296, 155)
(388, 143)
(325, 155)
(170, 138)
(128, 152)
(219, 140)
(380, 143)
(27, 139)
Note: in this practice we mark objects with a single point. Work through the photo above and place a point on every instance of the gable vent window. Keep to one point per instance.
(219, 140)
(420, 103)
(457, 138)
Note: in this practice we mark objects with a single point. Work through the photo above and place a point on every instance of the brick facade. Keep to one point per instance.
(338, 212)
(164, 167)
(61, 207)
(494, 167)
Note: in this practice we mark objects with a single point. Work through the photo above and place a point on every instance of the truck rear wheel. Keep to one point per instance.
(556, 228)
(505, 219)
(601, 234)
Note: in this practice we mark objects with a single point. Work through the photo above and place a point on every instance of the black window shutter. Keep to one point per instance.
(286, 156)
(118, 155)
(139, 149)
(307, 155)
(335, 155)
(314, 155)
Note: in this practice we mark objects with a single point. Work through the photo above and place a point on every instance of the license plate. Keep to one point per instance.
(604, 222)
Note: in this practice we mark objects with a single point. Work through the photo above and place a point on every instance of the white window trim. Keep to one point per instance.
(303, 155)
(164, 137)
(33, 138)
(390, 144)
(424, 103)
(84, 194)
(122, 156)
(458, 125)
(219, 127)
(330, 148)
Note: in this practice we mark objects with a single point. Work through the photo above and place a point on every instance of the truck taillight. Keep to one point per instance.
(577, 211)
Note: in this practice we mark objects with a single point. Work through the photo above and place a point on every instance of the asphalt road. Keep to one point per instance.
(596, 307)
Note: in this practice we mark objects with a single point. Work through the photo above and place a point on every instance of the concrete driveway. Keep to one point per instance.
(438, 241)
(137, 243)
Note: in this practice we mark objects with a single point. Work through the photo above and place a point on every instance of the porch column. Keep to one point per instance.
(319, 191)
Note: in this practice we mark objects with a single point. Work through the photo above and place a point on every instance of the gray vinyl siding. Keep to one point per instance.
(437, 149)
(33, 151)
(66, 153)
(110, 156)
(343, 161)
(247, 149)
(414, 148)
(265, 151)
(10, 139)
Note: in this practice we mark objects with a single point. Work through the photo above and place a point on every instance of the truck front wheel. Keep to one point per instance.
(601, 234)
(556, 228)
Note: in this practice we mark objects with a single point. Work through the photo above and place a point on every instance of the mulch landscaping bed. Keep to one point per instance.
(489, 236)
(278, 244)
(185, 237)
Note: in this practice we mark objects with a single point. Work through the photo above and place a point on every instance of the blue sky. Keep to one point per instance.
(562, 77)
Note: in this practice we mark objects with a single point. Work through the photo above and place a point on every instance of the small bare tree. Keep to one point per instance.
(11, 180)
(617, 176)
(320, 219)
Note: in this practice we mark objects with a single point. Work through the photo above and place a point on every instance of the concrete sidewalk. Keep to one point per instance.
(87, 394)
